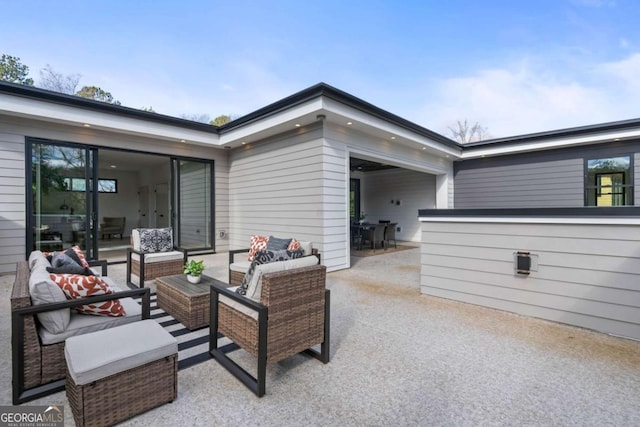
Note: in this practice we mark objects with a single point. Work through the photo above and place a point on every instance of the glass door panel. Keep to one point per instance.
(61, 202)
(193, 222)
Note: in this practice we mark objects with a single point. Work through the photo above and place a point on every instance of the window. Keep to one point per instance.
(79, 184)
(609, 182)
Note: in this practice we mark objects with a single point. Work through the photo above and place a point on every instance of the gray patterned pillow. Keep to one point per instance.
(147, 240)
(156, 240)
(266, 257)
(164, 239)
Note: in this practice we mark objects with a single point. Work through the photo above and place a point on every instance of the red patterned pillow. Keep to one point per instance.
(294, 245)
(77, 286)
(258, 243)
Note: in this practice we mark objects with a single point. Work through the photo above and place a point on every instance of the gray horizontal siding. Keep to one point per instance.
(546, 178)
(587, 275)
(550, 184)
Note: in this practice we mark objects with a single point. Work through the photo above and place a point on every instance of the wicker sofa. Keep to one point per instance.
(38, 362)
(239, 263)
(285, 311)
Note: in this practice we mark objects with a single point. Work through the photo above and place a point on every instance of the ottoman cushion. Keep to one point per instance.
(100, 354)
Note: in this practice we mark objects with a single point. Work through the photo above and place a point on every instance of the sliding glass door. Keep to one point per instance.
(60, 197)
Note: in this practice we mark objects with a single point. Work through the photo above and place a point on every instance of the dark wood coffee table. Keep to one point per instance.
(187, 302)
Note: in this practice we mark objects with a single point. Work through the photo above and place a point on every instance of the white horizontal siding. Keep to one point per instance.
(12, 201)
(277, 188)
(587, 275)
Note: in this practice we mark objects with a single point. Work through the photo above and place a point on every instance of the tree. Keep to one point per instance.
(220, 120)
(463, 133)
(148, 109)
(13, 71)
(57, 82)
(97, 94)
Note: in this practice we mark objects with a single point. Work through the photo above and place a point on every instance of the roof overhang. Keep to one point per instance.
(52, 107)
(593, 134)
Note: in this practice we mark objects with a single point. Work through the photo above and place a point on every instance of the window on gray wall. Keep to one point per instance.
(609, 182)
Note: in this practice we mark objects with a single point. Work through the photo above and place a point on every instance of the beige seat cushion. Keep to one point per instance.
(91, 357)
(80, 324)
(159, 256)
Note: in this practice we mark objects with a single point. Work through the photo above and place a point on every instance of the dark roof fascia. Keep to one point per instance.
(579, 212)
(323, 89)
(560, 133)
(103, 107)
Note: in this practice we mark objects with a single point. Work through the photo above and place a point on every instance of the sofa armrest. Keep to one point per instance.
(233, 253)
(144, 293)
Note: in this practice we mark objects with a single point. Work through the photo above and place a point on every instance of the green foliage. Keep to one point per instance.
(97, 94)
(221, 120)
(148, 109)
(13, 71)
(194, 268)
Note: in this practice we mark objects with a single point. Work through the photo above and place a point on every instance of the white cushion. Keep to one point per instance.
(91, 357)
(237, 306)
(35, 257)
(306, 247)
(240, 266)
(254, 290)
(135, 239)
(159, 256)
(43, 290)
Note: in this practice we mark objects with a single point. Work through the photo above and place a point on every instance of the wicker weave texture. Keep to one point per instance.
(32, 356)
(124, 395)
(153, 270)
(190, 310)
(295, 300)
(235, 278)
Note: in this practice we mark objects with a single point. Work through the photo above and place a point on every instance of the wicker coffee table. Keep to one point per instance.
(186, 302)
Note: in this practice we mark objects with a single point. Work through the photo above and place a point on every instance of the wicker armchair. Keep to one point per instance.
(148, 265)
(292, 317)
(38, 369)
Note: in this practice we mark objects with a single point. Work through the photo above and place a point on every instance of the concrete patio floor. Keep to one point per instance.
(401, 358)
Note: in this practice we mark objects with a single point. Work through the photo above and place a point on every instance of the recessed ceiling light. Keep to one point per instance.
(87, 125)
(393, 137)
(349, 123)
(244, 143)
(616, 139)
(113, 166)
(447, 156)
(183, 140)
(298, 125)
(424, 148)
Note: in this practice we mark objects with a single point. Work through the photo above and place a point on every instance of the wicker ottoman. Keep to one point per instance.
(117, 373)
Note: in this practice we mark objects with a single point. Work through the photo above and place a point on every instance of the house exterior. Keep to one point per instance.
(282, 170)
(295, 167)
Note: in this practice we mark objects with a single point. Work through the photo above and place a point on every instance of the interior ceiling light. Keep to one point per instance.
(393, 137)
(298, 125)
(183, 140)
(244, 143)
(349, 123)
(87, 125)
(113, 166)
(424, 148)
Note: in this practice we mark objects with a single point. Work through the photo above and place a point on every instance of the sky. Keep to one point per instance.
(514, 66)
